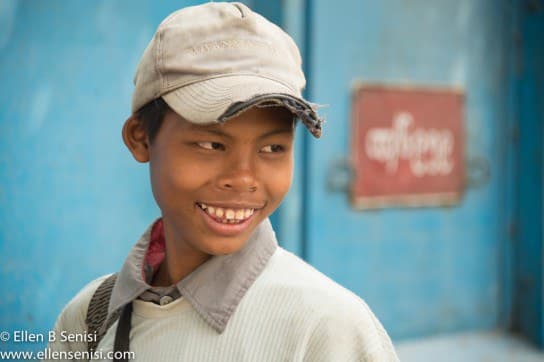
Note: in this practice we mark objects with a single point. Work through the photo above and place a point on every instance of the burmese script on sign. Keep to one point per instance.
(428, 150)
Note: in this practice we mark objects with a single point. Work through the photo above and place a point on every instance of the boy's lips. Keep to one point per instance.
(227, 221)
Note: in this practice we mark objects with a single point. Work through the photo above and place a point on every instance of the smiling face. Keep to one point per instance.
(214, 184)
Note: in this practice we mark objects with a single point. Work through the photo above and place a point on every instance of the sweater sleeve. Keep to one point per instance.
(70, 327)
(350, 332)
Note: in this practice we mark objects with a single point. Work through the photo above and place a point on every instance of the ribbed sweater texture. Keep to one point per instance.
(291, 313)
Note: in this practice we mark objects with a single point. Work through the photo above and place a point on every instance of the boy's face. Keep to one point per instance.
(214, 184)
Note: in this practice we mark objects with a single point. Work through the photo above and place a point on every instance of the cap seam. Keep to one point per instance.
(158, 65)
(237, 5)
(173, 87)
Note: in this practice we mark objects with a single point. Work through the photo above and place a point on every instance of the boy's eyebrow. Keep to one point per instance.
(221, 133)
(275, 132)
(213, 131)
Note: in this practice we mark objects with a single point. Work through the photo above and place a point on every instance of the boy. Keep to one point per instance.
(216, 95)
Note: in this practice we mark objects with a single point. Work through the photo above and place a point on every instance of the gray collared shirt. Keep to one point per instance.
(214, 289)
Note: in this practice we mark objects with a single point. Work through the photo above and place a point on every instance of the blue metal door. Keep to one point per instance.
(421, 270)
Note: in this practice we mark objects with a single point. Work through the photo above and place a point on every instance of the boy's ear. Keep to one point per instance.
(136, 140)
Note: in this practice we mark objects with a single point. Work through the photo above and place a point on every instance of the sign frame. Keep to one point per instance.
(448, 196)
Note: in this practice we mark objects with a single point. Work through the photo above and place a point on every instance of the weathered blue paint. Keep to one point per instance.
(529, 313)
(423, 271)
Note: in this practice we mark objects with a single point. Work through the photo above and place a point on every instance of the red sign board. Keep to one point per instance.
(407, 146)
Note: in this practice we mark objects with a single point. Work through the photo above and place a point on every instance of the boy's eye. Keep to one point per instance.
(211, 145)
(272, 149)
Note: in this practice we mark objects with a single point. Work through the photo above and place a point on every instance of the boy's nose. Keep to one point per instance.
(240, 182)
(238, 176)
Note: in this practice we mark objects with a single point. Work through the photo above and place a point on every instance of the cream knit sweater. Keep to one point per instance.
(291, 313)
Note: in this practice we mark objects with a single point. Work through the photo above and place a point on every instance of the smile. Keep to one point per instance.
(227, 215)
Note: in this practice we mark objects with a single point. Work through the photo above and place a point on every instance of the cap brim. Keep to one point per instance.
(218, 99)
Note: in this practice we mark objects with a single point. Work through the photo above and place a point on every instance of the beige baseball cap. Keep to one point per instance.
(213, 61)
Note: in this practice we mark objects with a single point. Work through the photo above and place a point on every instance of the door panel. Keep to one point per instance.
(421, 270)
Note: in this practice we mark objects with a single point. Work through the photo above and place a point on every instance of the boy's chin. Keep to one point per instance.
(225, 246)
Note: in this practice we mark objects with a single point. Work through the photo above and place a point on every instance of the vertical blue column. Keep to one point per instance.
(530, 258)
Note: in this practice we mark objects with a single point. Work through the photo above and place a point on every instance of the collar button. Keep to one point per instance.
(165, 300)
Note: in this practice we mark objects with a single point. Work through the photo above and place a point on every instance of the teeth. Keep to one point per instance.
(227, 216)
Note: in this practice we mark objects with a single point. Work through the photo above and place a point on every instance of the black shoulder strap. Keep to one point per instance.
(97, 312)
(122, 335)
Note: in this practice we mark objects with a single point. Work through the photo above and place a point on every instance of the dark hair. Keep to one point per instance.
(151, 116)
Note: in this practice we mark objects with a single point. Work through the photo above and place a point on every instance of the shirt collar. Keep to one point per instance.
(214, 289)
